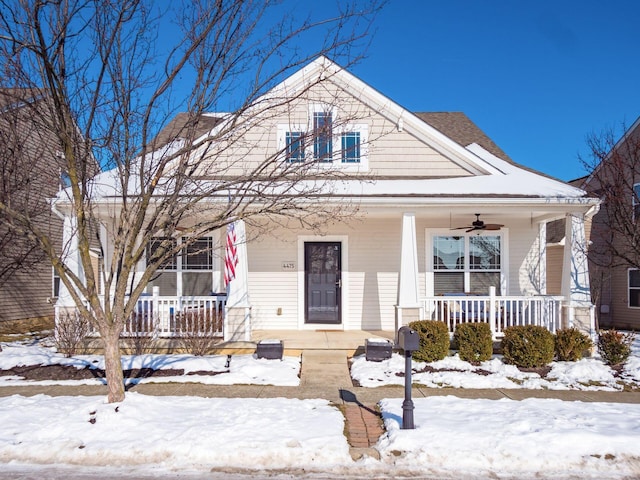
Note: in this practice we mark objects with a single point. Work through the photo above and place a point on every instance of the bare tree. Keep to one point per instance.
(614, 175)
(112, 74)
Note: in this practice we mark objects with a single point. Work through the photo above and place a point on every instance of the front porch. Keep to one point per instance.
(178, 317)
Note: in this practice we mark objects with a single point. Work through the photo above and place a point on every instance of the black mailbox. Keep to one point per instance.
(408, 340)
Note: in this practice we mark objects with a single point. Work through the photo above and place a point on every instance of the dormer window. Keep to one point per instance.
(294, 146)
(351, 147)
(323, 136)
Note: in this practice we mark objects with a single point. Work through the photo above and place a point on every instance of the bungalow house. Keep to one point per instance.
(613, 252)
(444, 226)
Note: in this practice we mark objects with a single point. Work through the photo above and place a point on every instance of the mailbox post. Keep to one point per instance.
(409, 342)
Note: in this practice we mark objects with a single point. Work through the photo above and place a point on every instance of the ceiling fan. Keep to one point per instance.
(478, 224)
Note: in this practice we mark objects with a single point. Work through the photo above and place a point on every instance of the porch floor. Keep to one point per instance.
(295, 341)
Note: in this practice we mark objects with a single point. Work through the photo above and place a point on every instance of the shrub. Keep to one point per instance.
(198, 331)
(474, 342)
(614, 347)
(434, 340)
(571, 344)
(528, 346)
(71, 330)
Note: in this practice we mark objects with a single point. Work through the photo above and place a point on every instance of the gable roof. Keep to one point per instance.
(493, 174)
(458, 127)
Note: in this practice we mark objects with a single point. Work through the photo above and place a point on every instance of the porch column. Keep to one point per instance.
(408, 307)
(71, 258)
(238, 312)
(575, 277)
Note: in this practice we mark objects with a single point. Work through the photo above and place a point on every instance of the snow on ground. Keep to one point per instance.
(239, 369)
(287, 438)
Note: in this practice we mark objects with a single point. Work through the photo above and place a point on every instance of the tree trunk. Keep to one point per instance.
(113, 368)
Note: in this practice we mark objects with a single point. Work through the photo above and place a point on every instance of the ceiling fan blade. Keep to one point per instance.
(493, 226)
(460, 228)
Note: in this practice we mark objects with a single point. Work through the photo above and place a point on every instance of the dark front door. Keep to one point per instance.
(322, 269)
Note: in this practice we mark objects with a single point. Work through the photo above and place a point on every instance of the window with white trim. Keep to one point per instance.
(190, 273)
(634, 287)
(323, 136)
(350, 143)
(324, 140)
(294, 147)
(467, 263)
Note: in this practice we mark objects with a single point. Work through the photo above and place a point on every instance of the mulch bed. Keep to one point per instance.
(68, 372)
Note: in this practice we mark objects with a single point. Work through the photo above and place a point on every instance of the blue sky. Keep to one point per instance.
(537, 77)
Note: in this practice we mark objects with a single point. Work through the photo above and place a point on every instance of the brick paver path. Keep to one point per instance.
(364, 425)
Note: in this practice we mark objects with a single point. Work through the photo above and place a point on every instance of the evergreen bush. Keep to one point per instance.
(528, 346)
(434, 340)
(614, 347)
(474, 342)
(571, 344)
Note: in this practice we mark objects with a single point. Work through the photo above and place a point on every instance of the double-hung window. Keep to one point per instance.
(466, 263)
(351, 147)
(188, 274)
(166, 277)
(323, 136)
(197, 267)
(634, 287)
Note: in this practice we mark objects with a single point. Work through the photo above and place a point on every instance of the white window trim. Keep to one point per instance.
(430, 233)
(216, 272)
(629, 287)
(338, 130)
(344, 300)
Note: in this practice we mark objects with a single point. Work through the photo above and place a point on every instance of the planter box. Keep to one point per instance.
(270, 349)
(377, 349)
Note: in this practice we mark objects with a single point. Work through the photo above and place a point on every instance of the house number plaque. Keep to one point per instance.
(288, 265)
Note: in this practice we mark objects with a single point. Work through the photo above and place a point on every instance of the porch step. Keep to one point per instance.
(325, 367)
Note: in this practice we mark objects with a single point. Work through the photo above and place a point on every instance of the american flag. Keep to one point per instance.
(231, 255)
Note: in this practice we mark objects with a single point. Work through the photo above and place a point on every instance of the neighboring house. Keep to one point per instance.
(31, 174)
(417, 178)
(613, 254)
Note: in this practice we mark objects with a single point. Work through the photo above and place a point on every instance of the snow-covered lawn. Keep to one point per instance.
(216, 369)
(453, 438)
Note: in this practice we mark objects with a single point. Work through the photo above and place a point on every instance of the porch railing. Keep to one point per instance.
(177, 316)
(499, 312)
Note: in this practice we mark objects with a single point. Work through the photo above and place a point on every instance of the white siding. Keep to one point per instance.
(371, 271)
